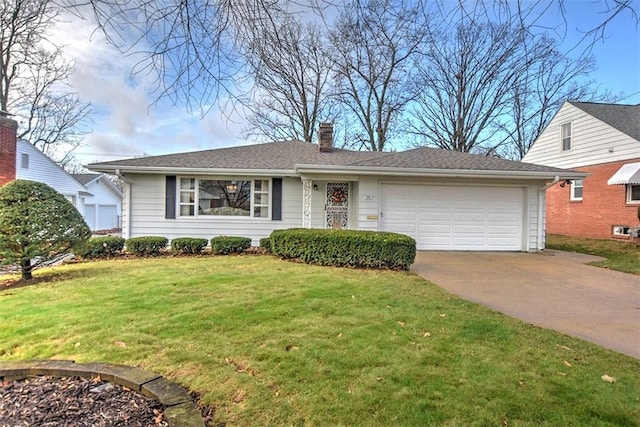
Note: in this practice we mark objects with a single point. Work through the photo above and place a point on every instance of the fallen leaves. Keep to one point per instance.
(608, 379)
(239, 396)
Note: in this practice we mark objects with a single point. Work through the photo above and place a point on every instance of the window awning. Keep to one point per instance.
(627, 174)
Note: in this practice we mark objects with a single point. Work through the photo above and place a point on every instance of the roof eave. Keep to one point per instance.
(424, 172)
(154, 170)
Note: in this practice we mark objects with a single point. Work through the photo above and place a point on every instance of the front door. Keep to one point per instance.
(337, 207)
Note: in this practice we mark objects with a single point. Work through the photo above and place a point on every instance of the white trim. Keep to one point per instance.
(301, 169)
(629, 190)
(196, 201)
(562, 125)
(572, 195)
(438, 173)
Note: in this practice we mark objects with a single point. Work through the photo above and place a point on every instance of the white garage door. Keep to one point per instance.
(107, 217)
(455, 217)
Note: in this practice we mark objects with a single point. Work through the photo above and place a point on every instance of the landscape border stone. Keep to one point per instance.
(180, 411)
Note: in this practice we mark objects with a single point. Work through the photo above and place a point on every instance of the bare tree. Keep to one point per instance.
(290, 72)
(373, 46)
(33, 79)
(466, 77)
(491, 87)
(538, 94)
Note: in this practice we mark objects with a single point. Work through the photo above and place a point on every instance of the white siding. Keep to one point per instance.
(148, 214)
(43, 169)
(592, 142)
(107, 205)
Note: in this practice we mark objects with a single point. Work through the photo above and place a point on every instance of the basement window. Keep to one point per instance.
(621, 230)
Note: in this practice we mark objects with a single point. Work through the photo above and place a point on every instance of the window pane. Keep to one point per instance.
(186, 210)
(225, 198)
(261, 199)
(186, 197)
(566, 130)
(261, 212)
(577, 193)
(635, 193)
(187, 184)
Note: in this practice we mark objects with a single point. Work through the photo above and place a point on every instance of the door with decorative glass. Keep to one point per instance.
(337, 206)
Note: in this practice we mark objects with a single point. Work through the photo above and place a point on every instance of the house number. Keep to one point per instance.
(369, 196)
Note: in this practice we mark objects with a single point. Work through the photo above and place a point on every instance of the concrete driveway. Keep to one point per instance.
(554, 290)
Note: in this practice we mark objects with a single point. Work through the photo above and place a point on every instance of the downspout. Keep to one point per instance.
(126, 205)
(541, 203)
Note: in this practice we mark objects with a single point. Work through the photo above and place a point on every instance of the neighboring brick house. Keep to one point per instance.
(604, 141)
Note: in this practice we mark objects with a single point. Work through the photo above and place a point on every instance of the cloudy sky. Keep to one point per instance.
(127, 123)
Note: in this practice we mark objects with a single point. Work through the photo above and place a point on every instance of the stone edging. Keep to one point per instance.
(180, 410)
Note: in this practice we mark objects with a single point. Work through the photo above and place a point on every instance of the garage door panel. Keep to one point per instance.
(455, 217)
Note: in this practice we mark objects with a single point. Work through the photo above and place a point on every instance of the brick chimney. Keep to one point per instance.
(8, 148)
(325, 138)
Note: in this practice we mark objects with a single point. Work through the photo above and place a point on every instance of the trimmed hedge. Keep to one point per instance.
(353, 248)
(224, 245)
(102, 247)
(265, 243)
(146, 245)
(188, 245)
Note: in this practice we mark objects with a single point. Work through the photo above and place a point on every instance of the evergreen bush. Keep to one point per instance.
(224, 245)
(353, 248)
(146, 245)
(188, 245)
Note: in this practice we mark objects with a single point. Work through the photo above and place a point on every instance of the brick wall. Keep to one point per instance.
(8, 143)
(602, 205)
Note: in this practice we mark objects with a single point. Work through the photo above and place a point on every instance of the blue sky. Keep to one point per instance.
(127, 123)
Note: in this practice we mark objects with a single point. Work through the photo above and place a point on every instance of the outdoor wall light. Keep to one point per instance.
(315, 187)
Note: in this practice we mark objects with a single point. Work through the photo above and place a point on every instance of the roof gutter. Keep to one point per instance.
(424, 172)
(541, 211)
(119, 169)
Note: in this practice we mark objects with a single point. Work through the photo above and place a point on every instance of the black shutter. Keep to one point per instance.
(170, 194)
(276, 199)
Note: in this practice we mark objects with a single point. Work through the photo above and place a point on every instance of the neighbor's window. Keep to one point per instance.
(620, 230)
(566, 136)
(24, 161)
(633, 193)
(209, 197)
(576, 189)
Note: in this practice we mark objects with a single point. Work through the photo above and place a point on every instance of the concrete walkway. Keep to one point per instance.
(554, 290)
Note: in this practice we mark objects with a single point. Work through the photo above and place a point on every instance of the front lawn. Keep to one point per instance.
(621, 255)
(269, 342)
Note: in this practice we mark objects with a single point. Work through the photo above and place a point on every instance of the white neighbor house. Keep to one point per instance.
(445, 200)
(96, 198)
(103, 210)
(33, 165)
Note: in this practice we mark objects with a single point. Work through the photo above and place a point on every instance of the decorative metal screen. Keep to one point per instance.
(337, 207)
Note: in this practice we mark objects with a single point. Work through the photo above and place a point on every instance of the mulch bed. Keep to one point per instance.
(72, 401)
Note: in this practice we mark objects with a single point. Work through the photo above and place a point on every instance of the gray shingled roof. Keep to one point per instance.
(625, 118)
(286, 155)
(434, 158)
(274, 155)
(85, 178)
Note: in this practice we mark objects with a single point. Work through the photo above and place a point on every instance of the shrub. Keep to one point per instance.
(37, 224)
(146, 245)
(224, 245)
(102, 247)
(265, 243)
(188, 245)
(353, 248)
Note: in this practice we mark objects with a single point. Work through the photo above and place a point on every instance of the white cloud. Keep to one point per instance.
(126, 121)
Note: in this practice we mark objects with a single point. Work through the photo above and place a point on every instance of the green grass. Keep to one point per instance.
(620, 255)
(274, 343)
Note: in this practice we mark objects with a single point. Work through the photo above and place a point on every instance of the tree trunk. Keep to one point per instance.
(25, 264)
